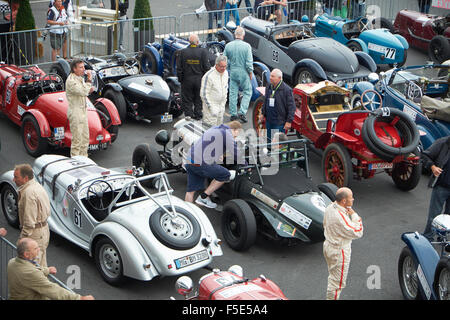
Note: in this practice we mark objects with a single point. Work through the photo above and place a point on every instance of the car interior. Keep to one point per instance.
(286, 37)
(28, 92)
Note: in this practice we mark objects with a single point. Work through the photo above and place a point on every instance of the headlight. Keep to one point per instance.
(340, 83)
(346, 100)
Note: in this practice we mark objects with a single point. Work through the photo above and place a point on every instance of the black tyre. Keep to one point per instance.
(31, 137)
(401, 64)
(329, 189)
(238, 225)
(405, 175)
(383, 23)
(105, 117)
(260, 76)
(184, 236)
(372, 147)
(441, 283)
(354, 46)
(148, 62)
(355, 103)
(119, 101)
(337, 166)
(56, 68)
(439, 49)
(108, 262)
(407, 276)
(305, 75)
(10, 206)
(146, 157)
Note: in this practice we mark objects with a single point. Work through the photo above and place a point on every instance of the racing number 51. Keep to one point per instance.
(77, 218)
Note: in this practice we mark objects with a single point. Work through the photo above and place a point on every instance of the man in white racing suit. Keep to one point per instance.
(341, 225)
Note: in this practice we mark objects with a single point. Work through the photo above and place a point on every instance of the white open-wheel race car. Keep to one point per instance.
(128, 230)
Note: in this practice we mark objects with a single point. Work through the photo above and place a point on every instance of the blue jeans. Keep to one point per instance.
(273, 127)
(439, 197)
(211, 17)
(197, 175)
(248, 5)
(234, 12)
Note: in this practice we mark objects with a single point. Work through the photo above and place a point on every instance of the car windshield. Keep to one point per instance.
(287, 34)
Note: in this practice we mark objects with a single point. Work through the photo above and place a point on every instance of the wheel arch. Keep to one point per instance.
(109, 105)
(313, 65)
(363, 45)
(159, 62)
(42, 121)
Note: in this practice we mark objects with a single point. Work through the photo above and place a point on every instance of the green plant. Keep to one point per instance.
(142, 10)
(24, 18)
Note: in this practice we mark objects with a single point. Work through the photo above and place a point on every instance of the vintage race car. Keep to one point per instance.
(274, 197)
(230, 285)
(302, 57)
(422, 92)
(425, 31)
(129, 231)
(357, 34)
(139, 96)
(37, 103)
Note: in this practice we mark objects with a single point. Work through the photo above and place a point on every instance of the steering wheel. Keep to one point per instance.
(369, 101)
(363, 24)
(129, 64)
(54, 80)
(96, 195)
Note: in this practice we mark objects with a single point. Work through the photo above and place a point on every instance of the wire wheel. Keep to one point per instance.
(407, 274)
(444, 284)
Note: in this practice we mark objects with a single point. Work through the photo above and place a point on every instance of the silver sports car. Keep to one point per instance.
(129, 231)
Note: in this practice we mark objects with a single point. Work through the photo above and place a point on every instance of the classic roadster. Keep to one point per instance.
(357, 34)
(37, 103)
(302, 57)
(428, 32)
(129, 231)
(422, 92)
(273, 194)
(139, 96)
(230, 285)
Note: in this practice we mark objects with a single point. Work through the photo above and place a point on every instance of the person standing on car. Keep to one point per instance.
(240, 61)
(204, 159)
(123, 7)
(57, 18)
(437, 159)
(76, 91)
(192, 64)
(279, 105)
(27, 279)
(34, 209)
(214, 89)
(341, 225)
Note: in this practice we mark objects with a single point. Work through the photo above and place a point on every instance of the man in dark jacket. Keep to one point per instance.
(123, 7)
(279, 106)
(192, 64)
(437, 158)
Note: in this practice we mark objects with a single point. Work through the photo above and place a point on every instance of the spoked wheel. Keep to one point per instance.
(146, 157)
(31, 137)
(132, 66)
(354, 46)
(442, 279)
(259, 125)
(439, 49)
(406, 175)
(407, 275)
(10, 205)
(109, 262)
(305, 75)
(337, 166)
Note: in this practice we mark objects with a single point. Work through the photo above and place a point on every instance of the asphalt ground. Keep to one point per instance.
(300, 271)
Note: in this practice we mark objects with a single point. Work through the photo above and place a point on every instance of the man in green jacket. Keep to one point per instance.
(27, 280)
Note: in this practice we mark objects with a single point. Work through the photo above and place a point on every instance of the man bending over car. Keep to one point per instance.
(204, 159)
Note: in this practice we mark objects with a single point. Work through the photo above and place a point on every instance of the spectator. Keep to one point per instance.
(214, 91)
(34, 209)
(248, 5)
(67, 4)
(424, 6)
(203, 161)
(76, 92)
(3, 232)
(216, 6)
(279, 105)
(264, 8)
(231, 6)
(240, 61)
(437, 158)
(27, 280)
(123, 7)
(57, 18)
(192, 64)
(341, 225)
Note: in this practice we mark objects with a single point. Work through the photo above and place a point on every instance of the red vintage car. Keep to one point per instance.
(356, 143)
(37, 102)
(425, 31)
(230, 285)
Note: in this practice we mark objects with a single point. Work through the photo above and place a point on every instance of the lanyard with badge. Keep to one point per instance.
(272, 99)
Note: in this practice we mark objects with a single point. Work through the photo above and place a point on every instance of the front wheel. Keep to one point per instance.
(119, 101)
(108, 262)
(354, 46)
(10, 206)
(441, 283)
(337, 166)
(439, 49)
(407, 275)
(146, 157)
(305, 75)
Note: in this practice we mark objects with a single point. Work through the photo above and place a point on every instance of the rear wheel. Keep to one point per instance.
(407, 275)
(439, 49)
(406, 175)
(119, 101)
(148, 62)
(146, 157)
(56, 68)
(10, 206)
(337, 165)
(383, 23)
(31, 137)
(441, 283)
(108, 262)
(329, 189)
(105, 117)
(354, 46)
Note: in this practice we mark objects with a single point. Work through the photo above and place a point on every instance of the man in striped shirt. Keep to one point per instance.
(341, 225)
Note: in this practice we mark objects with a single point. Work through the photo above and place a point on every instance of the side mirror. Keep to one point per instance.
(184, 285)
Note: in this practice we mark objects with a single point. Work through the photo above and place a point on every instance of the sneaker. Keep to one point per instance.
(233, 117)
(205, 202)
(242, 118)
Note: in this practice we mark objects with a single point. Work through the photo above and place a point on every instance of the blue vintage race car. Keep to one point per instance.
(357, 34)
(420, 91)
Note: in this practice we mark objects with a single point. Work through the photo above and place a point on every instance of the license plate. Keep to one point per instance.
(165, 118)
(191, 259)
(58, 133)
(380, 165)
(93, 147)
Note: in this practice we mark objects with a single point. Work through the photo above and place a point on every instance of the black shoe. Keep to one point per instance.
(232, 118)
(242, 118)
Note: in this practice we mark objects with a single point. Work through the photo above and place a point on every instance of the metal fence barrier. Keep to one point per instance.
(294, 10)
(7, 252)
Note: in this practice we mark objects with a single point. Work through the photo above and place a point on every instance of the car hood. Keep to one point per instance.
(146, 85)
(330, 54)
(381, 37)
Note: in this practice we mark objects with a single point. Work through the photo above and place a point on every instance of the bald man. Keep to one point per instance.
(341, 225)
(192, 64)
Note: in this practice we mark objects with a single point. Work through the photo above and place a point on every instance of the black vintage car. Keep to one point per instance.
(139, 96)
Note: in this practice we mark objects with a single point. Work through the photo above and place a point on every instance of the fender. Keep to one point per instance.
(427, 137)
(362, 86)
(8, 178)
(443, 127)
(225, 34)
(115, 118)
(363, 45)
(64, 65)
(313, 65)
(174, 81)
(423, 254)
(115, 86)
(44, 127)
(367, 61)
(133, 255)
(403, 41)
(159, 61)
